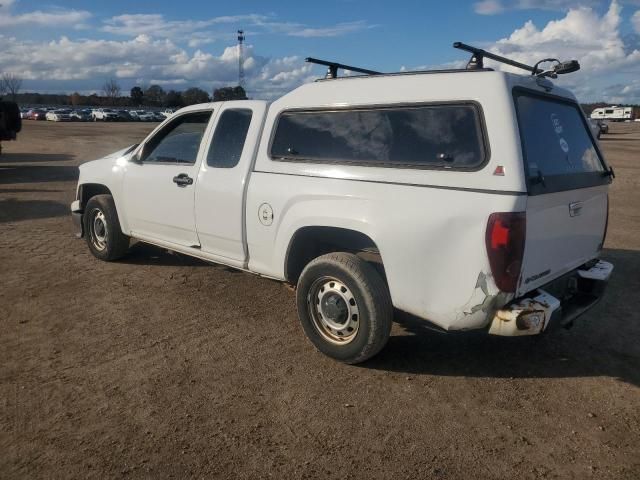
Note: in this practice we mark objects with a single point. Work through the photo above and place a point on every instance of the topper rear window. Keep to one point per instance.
(430, 136)
(559, 151)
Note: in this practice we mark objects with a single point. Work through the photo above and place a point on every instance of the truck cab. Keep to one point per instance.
(472, 199)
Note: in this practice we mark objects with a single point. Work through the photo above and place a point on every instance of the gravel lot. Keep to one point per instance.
(162, 366)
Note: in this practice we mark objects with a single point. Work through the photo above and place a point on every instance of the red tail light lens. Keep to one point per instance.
(505, 248)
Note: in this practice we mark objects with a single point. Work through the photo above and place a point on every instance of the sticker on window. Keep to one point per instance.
(557, 127)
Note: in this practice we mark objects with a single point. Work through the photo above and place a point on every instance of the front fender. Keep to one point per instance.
(108, 172)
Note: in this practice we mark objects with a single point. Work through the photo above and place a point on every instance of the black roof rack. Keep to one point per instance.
(332, 71)
(477, 56)
(476, 62)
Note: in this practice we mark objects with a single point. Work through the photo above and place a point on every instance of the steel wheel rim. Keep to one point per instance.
(98, 229)
(334, 310)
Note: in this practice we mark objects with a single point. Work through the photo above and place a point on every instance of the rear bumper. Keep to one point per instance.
(554, 305)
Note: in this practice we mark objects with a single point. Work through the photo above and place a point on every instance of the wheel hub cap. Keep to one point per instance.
(334, 310)
(99, 230)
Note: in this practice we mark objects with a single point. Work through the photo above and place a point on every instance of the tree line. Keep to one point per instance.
(111, 96)
(153, 96)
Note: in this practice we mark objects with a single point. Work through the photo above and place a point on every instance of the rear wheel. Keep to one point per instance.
(102, 229)
(344, 307)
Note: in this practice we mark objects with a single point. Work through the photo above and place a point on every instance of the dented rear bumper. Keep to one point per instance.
(556, 304)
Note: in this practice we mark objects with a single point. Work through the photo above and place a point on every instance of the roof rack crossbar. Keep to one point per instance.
(332, 71)
(478, 54)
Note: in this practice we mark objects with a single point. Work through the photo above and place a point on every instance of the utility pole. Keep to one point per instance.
(241, 58)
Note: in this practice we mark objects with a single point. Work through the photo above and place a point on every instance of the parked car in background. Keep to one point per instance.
(10, 121)
(168, 112)
(158, 117)
(24, 113)
(37, 114)
(61, 115)
(104, 115)
(594, 127)
(81, 115)
(604, 126)
(142, 115)
(124, 116)
(598, 127)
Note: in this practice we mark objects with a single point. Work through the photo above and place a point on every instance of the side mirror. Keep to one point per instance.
(569, 66)
(138, 156)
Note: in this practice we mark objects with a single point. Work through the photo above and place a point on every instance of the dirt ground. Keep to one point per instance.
(161, 366)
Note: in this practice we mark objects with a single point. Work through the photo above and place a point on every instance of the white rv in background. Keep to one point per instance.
(613, 113)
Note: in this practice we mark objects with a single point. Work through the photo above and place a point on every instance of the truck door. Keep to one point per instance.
(159, 189)
(223, 180)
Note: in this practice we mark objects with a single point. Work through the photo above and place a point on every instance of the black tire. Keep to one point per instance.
(102, 229)
(354, 281)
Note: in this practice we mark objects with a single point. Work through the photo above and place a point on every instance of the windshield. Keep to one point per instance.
(559, 152)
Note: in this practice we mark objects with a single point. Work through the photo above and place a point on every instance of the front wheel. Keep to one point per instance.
(344, 307)
(102, 229)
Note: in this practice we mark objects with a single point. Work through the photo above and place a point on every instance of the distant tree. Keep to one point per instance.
(173, 99)
(137, 96)
(11, 84)
(194, 95)
(155, 95)
(75, 99)
(229, 93)
(111, 89)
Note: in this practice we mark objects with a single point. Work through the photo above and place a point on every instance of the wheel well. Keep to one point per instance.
(88, 190)
(311, 242)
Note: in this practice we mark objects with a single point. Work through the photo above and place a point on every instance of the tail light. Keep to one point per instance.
(505, 247)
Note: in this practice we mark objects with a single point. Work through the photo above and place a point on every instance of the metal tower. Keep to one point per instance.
(241, 58)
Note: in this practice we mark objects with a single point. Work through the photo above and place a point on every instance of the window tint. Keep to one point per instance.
(179, 141)
(228, 139)
(446, 136)
(558, 150)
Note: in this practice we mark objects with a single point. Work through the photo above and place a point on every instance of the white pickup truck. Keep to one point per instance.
(472, 199)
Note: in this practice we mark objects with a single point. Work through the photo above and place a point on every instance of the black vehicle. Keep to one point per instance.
(10, 121)
(124, 116)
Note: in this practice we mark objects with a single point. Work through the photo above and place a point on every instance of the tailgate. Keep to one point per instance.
(567, 180)
(564, 230)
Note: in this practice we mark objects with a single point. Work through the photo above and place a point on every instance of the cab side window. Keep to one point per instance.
(229, 138)
(179, 141)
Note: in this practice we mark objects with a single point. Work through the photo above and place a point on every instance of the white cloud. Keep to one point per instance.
(201, 32)
(158, 25)
(335, 31)
(635, 21)
(488, 7)
(148, 60)
(493, 7)
(54, 18)
(582, 34)
(594, 40)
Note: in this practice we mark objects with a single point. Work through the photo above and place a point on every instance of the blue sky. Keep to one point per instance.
(72, 45)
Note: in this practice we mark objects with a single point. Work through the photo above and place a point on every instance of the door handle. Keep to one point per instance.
(183, 180)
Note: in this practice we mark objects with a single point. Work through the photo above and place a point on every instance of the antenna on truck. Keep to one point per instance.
(332, 71)
(476, 62)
